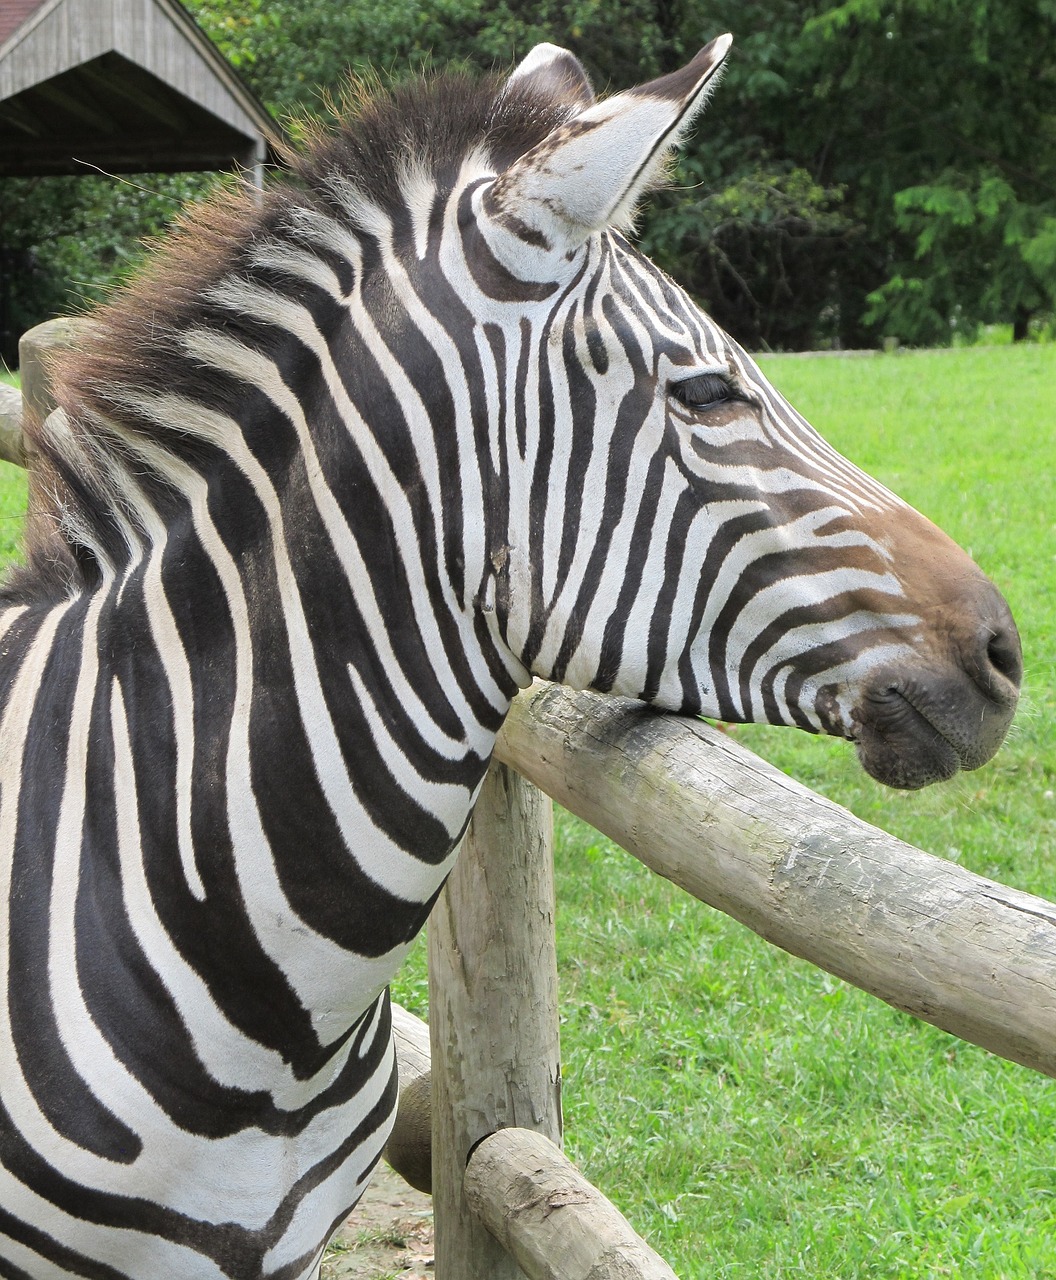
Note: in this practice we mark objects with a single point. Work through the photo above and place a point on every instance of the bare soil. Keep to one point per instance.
(389, 1235)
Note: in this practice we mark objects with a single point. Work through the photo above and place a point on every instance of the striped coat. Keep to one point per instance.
(336, 476)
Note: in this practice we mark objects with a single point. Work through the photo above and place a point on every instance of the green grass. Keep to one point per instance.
(12, 511)
(753, 1116)
(12, 494)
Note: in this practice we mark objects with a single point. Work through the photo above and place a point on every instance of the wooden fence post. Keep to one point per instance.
(492, 1008)
(37, 348)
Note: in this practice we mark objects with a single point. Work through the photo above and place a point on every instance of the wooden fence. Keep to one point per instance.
(965, 953)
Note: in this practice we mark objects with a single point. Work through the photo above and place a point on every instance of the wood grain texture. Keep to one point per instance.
(971, 956)
(553, 1222)
(38, 349)
(492, 1008)
(410, 1145)
(411, 1035)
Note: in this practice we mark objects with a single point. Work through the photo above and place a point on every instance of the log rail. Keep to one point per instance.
(968, 954)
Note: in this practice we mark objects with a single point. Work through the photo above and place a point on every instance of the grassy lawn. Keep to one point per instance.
(752, 1116)
(12, 494)
(12, 510)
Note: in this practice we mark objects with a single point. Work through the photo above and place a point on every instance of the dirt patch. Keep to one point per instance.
(388, 1237)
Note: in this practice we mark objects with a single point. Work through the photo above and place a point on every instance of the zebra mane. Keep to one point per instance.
(104, 448)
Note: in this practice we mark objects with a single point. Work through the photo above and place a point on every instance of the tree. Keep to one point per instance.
(874, 167)
(68, 240)
(946, 147)
(869, 167)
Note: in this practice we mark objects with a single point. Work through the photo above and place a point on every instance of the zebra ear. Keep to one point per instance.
(591, 170)
(553, 73)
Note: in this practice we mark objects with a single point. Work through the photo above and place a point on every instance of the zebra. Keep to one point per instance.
(334, 478)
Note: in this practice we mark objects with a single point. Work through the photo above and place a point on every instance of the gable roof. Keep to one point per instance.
(125, 85)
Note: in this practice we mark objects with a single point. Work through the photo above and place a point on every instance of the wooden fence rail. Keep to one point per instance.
(965, 953)
(555, 1225)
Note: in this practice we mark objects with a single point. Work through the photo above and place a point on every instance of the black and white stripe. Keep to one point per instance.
(335, 479)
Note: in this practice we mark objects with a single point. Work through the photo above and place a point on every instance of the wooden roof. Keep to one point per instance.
(124, 85)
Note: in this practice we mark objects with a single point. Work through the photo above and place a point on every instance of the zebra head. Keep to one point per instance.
(664, 524)
(530, 452)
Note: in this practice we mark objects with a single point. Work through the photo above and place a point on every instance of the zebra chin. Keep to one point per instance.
(919, 728)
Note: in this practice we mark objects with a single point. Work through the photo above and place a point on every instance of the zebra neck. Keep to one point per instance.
(297, 753)
(329, 731)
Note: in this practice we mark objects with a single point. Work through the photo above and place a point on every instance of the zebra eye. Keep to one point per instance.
(705, 391)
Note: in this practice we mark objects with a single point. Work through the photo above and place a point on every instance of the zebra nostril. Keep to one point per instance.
(1002, 652)
(1004, 655)
(992, 655)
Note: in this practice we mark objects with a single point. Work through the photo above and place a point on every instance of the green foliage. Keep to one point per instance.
(983, 255)
(868, 168)
(288, 48)
(69, 240)
(946, 143)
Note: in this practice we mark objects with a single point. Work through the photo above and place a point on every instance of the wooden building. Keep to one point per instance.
(126, 86)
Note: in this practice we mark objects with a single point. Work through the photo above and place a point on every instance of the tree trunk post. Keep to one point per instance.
(492, 1008)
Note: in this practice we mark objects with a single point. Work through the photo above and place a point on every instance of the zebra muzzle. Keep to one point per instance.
(922, 724)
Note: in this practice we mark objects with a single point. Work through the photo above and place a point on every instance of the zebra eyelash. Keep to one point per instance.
(705, 391)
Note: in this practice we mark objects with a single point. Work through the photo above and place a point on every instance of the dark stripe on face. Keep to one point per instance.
(489, 275)
(660, 623)
(618, 439)
(612, 644)
(819, 656)
(579, 390)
